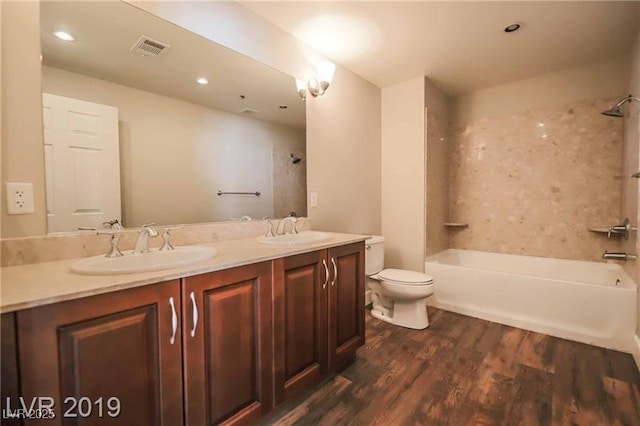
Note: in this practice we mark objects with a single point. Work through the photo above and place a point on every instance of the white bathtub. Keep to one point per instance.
(589, 302)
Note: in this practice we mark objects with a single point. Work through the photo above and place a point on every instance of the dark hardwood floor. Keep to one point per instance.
(465, 371)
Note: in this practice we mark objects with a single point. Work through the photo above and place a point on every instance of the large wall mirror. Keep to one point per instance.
(131, 134)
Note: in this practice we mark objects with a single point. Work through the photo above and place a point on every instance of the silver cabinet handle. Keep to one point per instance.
(335, 271)
(194, 307)
(174, 321)
(326, 274)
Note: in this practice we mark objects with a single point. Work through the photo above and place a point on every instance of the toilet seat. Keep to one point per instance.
(404, 277)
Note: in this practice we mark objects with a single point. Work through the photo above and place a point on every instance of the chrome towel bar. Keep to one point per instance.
(256, 193)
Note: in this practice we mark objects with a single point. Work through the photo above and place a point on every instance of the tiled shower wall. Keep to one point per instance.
(437, 185)
(533, 181)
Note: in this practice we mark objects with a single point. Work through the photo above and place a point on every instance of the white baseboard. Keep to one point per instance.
(636, 350)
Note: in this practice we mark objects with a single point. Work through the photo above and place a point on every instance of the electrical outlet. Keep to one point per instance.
(20, 198)
(313, 199)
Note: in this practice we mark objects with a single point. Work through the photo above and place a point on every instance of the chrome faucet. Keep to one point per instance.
(112, 224)
(283, 223)
(623, 229)
(142, 242)
(618, 256)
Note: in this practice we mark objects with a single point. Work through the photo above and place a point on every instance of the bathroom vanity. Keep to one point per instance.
(224, 341)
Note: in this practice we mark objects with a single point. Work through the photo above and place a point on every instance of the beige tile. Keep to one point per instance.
(532, 189)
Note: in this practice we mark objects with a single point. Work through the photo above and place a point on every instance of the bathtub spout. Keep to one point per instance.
(618, 256)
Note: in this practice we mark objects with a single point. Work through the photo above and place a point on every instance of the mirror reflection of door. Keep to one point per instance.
(81, 163)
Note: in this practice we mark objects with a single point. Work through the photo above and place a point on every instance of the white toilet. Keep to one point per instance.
(398, 296)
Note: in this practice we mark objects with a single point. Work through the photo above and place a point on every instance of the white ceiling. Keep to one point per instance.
(460, 46)
(105, 30)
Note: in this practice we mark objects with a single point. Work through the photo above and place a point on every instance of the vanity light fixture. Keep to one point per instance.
(318, 84)
(202, 81)
(63, 35)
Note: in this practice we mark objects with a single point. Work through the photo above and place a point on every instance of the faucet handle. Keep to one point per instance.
(269, 227)
(166, 235)
(114, 251)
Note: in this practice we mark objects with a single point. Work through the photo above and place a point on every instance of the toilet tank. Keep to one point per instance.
(374, 255)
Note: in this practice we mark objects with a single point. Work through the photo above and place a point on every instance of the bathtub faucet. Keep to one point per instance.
(618, 256)
(622, 230)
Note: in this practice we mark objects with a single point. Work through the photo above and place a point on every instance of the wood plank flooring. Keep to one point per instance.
(465, 371)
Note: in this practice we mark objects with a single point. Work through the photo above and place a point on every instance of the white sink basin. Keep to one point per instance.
(305, 237)
(152, 261)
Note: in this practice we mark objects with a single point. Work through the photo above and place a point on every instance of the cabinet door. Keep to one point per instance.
(119, 345)
(346, 303)
(227, 350)
(9, 363)
(300, 322)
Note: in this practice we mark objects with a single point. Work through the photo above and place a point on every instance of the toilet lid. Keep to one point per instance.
(405, 277)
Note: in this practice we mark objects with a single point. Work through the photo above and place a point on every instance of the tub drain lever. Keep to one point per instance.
(618, 256)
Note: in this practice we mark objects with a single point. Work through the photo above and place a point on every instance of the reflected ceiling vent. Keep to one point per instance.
(146, 46)
(249, 111)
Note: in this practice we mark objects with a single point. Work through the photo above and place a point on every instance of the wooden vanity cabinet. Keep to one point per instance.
(346, 303)
(300, 297)
(318, 316)
(122, 345)
(218, 348)
(9, 363)
(227, 346)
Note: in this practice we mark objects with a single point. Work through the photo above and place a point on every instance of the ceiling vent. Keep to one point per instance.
(249, 111)
(146, 46)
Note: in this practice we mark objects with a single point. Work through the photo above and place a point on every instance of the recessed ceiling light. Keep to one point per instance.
(283, 107)
(62, 35)
(512, 27)
(202, 81)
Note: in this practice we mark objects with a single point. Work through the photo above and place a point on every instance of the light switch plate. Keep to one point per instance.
(313, 199)
(20, 198)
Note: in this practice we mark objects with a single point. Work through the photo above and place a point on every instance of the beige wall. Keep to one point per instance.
(22, 151)
(343, 148)
(597, 80)
(403, 174)
(437, 181)
(175, 155)
(630, 195)
(534, 190)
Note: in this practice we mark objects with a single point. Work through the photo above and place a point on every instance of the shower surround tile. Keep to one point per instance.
(437, 197)
(532, 182)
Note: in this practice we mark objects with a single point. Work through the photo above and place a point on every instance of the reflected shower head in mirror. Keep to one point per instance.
(616, 111)
(295, 159)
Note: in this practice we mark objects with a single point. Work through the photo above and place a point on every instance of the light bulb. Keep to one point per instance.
(62, 35)
(326, 70)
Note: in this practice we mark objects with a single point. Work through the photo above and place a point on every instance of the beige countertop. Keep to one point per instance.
(27, 286)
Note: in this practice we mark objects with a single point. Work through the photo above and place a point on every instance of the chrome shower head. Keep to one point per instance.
(616, 111)
(613, 112)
